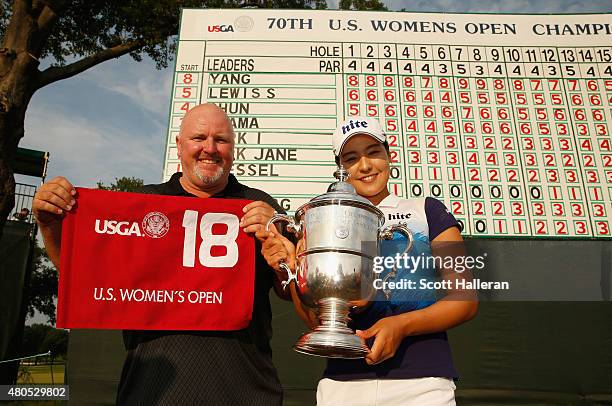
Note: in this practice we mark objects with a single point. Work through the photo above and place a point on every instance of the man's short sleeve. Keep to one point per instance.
(439, 218)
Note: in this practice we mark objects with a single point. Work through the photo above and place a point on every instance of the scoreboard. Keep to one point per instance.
(505, 118)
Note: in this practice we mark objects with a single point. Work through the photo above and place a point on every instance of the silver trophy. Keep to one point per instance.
(338, 237)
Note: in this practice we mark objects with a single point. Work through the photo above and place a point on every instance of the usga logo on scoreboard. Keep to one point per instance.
(154, 225)
(242, 24)
(220, 28)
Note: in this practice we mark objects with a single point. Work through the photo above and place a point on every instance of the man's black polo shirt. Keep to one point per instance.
(206, 367)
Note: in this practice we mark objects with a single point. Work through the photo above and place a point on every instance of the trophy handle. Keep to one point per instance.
(291, 226)
(291, 276)
(295, 229)
(387, 234)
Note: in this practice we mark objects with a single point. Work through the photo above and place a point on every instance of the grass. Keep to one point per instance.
(41, 374)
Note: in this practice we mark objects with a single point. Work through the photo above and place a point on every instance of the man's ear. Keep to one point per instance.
(178, 146)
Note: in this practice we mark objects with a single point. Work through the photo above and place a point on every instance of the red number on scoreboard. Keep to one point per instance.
(498, 209)
(577, 209)
(457, 207)
(474, 174)
(517, 208)
(512, 175)
(538, 209)
(186, 92)
(580, 227)
(561, 227)
(493, 175)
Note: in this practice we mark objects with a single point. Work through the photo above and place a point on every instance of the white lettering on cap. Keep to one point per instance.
(352, 125)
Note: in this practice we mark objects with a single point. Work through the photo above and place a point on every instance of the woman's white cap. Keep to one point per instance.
(353, 126)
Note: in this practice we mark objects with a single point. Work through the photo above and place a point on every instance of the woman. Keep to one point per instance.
(409, 362)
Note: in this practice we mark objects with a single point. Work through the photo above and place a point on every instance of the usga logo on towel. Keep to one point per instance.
(154, 225)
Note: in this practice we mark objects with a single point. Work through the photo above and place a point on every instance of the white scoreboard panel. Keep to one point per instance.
(505, 118)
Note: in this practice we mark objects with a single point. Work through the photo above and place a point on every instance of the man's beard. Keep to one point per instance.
(208, 180)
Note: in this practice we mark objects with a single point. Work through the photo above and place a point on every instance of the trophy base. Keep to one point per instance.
(332, 345)
(332, 338)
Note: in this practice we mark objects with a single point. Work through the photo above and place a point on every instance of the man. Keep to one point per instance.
(23, 214)
(198, 367)
(409, 362)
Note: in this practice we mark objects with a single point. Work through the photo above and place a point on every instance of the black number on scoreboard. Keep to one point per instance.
(535, 192)
(495, 191)
(476, 191)
(417, 190)
(436, 190)
(515, 192)
(480, 226)
(461, 224)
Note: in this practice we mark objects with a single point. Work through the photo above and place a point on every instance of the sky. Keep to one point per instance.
(111, 120)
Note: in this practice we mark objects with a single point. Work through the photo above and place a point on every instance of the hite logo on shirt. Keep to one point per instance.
(154, 225)
(399, 216)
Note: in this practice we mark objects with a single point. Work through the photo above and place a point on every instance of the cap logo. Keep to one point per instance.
(352, 125)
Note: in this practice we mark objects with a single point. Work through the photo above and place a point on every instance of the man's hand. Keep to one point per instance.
(388, 334)
(52, 200)
(276, 249)
(256, 216)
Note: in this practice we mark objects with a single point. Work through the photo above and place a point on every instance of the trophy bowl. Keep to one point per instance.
(338, 237)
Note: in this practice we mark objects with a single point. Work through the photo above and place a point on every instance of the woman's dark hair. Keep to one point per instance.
(385, 144)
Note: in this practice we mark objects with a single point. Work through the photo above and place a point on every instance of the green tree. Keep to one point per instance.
(40, 338)
(43, 285)
(43, 41)
(123, 184)
(33, 337)
(56, 341)
(362, 5)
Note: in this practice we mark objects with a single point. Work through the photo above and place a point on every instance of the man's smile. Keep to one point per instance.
(210, 161)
